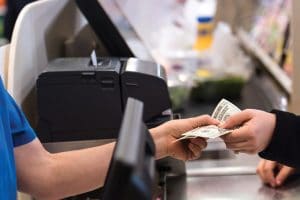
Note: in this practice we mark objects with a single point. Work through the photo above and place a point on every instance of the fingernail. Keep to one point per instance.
(278, 182)
(222, 124)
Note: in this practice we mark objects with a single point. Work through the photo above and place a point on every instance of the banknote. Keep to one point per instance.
(222, 111)
(210, 132)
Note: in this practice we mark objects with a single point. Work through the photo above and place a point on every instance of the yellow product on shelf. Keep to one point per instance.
(204, 33)
(288, 65)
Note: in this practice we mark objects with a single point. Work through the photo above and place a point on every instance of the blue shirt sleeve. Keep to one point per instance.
(21, 131)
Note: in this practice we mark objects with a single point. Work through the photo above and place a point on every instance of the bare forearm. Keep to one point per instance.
(83, 170)
(64, 174)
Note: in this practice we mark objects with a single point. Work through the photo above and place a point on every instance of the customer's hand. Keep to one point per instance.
(166, 135)
(273, 173)
(254, 132)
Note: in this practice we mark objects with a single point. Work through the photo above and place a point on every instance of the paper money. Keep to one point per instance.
(211, 131)
(223, 110)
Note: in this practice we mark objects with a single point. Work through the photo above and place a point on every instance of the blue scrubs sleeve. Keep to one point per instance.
(21, 131)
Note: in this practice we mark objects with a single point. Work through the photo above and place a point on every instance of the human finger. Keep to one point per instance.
(195, 149)
(238, 135)
(202, 120)
(237, 119)
(259, 170)
(283, 174)
(238, 146)
(249, 151)
(268, 171)
(199, 141)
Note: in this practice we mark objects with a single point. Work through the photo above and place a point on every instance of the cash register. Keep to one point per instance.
(83, 100)
(78, 100)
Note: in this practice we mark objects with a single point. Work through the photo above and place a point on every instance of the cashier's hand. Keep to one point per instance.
(273, 173)
(165, 137)
(254, 133)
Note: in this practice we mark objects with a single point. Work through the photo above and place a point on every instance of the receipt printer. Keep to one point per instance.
(80, 101)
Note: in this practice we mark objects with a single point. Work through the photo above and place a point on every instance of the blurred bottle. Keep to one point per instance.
(196, 8)
(204, 36)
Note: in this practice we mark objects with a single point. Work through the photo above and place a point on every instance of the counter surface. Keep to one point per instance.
(234, 187)
(221, 174)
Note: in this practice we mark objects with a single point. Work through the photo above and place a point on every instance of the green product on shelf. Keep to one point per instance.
(229, 87)
(1, 26)
(179, 95)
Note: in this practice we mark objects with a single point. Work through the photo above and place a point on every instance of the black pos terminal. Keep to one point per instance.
(132, 168)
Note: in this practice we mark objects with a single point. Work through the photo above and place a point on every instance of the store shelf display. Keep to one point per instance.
(271, 26)
(270, 65)
(226, 70)
(270, 40)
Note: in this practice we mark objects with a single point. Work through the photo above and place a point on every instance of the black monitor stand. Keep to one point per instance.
(132, 168)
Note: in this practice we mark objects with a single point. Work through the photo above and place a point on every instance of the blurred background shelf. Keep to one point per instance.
(270, 65)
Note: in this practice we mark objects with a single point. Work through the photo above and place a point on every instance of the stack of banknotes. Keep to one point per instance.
(223, 110)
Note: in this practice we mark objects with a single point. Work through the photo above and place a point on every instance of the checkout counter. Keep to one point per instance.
(221, 174)
(218, 174)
